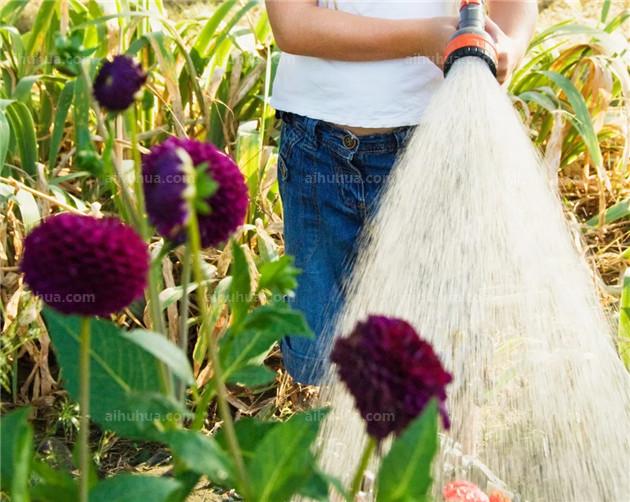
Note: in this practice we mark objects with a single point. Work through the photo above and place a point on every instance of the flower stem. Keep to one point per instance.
(183, 315)
(363, 464)
(194, 241)
(154, 274)
(84, 408)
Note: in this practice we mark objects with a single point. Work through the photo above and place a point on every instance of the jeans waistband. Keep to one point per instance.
(344, 142)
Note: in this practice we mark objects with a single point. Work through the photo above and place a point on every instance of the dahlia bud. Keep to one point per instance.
(392, 374)
(166, 183)
(85, 266)
(118, 82)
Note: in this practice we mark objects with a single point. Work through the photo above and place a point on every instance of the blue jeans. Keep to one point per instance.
(330, 182)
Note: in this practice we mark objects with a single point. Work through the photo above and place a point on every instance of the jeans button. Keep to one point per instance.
(350, 141)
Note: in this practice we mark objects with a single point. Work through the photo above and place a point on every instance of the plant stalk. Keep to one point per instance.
(183, 315)
(84, 409)
(194, 242)
(363, 464)
(143, 227)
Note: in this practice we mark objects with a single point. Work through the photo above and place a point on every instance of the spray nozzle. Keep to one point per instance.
(471, 38)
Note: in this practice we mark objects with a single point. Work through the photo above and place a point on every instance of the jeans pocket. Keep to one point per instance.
(290, 135)
(283, 172)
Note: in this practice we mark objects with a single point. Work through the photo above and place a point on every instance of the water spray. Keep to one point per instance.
(496, 282)
(471, 38)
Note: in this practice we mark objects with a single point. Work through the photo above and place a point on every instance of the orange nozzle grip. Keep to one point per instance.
(471, 40)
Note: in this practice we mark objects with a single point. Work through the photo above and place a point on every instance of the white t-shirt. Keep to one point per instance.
(391, 93)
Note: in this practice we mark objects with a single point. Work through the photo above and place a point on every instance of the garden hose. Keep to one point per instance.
(471, 38)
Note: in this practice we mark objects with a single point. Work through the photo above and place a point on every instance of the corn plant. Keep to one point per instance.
(575, 87)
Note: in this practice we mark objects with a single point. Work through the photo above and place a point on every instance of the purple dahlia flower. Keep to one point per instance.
(84, 265)
(165, 183)
(117, 83)
(392, 373)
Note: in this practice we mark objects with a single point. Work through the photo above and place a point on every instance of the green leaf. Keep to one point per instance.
(5, 139)
(624, 321)
(614, 213)
(261, 329)
(22, 91)
(41, 27)
(87, 158)
(250, 432)
(120, 372)
(316, 488)
(279, 276)
(205, 185)
(283, 462)
(240, 295)
(252, 376)
(164, 350)
(23, 131)
(405, 474)
(129, 488)
(201, 454)
(206, 35)
(51, 485)
(618, 21)
(605, 10)
(12, 9)
(29, 210)
(16, 452)
(63, 106)
(582, 120)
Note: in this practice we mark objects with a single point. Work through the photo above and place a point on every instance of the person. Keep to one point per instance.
(353, 80)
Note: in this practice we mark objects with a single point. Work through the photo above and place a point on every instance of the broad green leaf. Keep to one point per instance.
(317, 487)
(188, 481)
(614, 213)
(252, 376)
(279, 276)
(261, 329)
(52, 485)
(624, 321)
(130, 488)
(405, 473)
(63, 106)
(120, 372)
(240, 288)
(201, 454)
(283, 462)
(164, 350)
(250, 432)
(16, 452)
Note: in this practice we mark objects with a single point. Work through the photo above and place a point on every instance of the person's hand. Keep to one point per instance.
(510, 51)
(436, 33)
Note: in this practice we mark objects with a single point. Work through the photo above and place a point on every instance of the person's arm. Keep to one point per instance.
(301, 27)
(511, 25)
